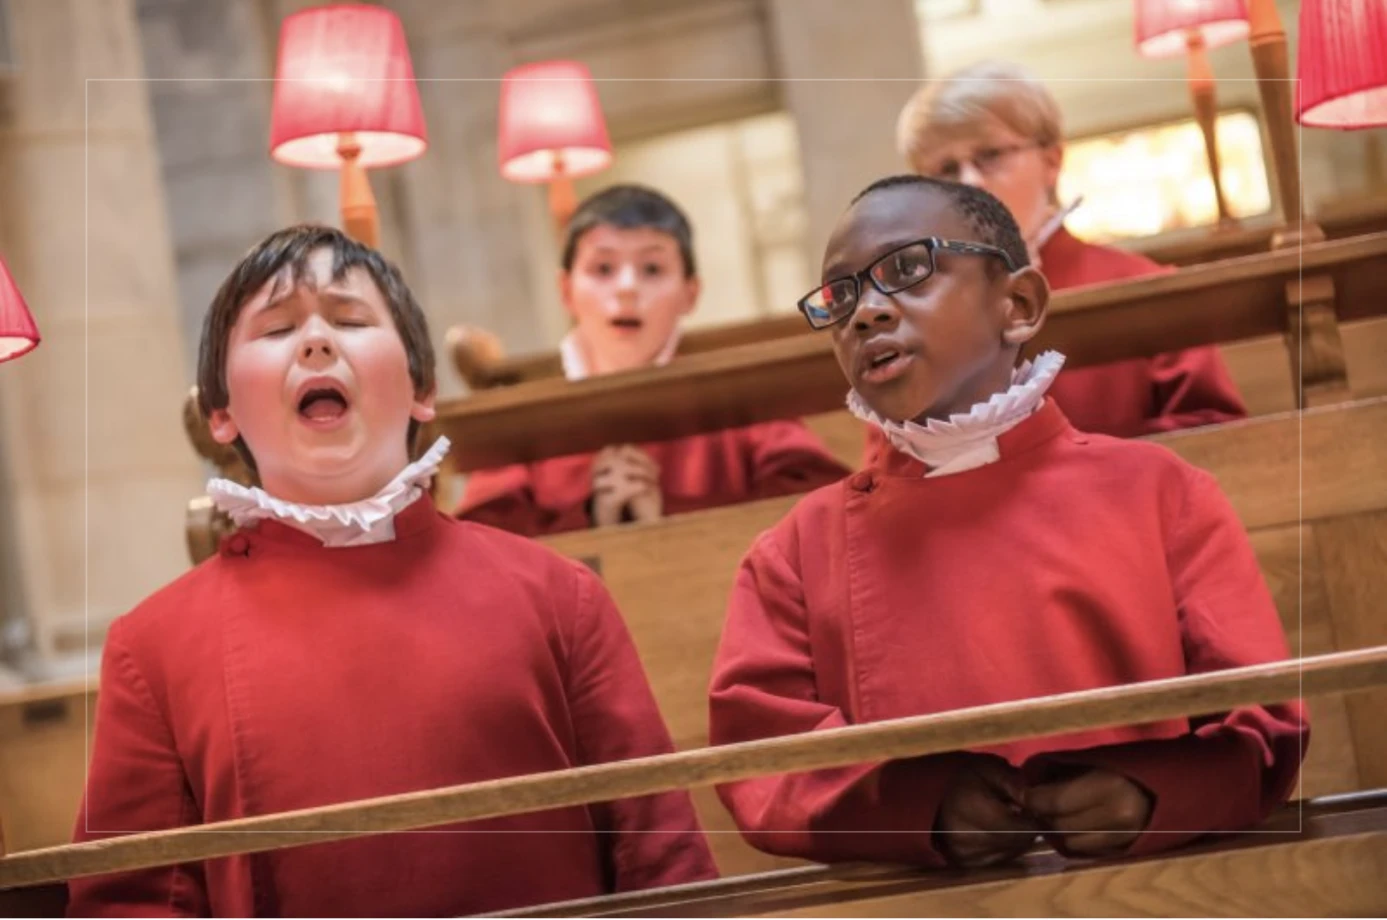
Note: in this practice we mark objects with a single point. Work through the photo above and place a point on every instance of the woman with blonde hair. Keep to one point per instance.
(996, 127)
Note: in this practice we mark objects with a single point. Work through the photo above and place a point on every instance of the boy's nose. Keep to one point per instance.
(626, 278)
(874, 310)
(317, 344)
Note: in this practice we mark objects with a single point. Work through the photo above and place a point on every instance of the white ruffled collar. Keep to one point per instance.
(371, 520)
(968, 439)
(575, 363)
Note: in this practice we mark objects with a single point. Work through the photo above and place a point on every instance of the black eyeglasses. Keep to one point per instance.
(901, 268)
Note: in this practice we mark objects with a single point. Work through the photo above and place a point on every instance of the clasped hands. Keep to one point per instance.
(991, 815)
(625, 486)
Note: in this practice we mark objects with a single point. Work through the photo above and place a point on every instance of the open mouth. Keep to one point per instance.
(323, 404)
(631, 323)
(884, 363)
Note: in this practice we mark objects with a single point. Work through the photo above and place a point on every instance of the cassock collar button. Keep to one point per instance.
(238, 544)
(862, 482)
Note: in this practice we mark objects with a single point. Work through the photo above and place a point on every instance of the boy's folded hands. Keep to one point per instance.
(1093, 812)
(990, 815)
(625, 486)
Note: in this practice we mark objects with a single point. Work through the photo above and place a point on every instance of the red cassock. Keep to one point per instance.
(703, 471)
(1182, 389)
(282, 675)
(1075, 561)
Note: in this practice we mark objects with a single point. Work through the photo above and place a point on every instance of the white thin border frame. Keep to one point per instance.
(86, 395)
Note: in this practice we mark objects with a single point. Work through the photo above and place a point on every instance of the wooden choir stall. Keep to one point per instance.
(1304, 330)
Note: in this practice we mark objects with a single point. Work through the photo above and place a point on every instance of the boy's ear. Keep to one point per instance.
(423, 408)
(566, 291)
(692, 288)
(1028, 299)
(223, 427)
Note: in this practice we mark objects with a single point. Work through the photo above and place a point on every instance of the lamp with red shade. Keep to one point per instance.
(1166, 28)
(345, 98)
(1342, 68)
(1271, 63)
(19, 334)
(552, 130)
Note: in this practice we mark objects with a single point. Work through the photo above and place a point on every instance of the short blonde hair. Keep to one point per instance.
(958, 105)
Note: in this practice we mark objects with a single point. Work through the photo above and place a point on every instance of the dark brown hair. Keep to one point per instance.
(282, 257)
(630, 207)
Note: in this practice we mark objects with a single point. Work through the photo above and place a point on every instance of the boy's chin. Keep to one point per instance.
(899, 411)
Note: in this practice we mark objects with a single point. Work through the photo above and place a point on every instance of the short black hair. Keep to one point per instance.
(282, 257)
(630, 207)
(988, 217)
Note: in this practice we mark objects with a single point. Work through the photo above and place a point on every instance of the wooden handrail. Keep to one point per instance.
(796, 374)
(980, 726)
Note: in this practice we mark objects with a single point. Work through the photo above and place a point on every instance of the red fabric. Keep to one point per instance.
(550, 123)
(703, 471)
(1073, 562)
(1139, 396)
(1341, 72)
(283, 675)
(345, 67)
(1161, 26)
(19, 334)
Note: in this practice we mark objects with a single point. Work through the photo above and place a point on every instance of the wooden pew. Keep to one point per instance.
(1323, 570)
(1326, 858)
(1304, 485)
(43, 756)
(796, 375)
(1322, 858)
(480, 361)
(1338, 220)
(1190, 695)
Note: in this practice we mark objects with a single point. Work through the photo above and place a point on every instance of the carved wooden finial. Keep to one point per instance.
(476, 354)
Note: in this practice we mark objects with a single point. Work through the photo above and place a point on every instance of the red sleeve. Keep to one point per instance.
(764, 686)
(1234, 769)
(782, 458)
(1193, 388)
(788, 459)
(135, 783)
(653, 840)
(504, 498)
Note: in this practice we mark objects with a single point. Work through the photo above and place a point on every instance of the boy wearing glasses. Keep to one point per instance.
(995, 127)
(994, 553)
(628, 278)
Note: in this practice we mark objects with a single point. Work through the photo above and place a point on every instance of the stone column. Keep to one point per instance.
(847, 68)
(96, 470)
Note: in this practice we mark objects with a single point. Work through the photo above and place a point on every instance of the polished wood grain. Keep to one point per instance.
(980, 726)
(1313, 859)
(797, 375)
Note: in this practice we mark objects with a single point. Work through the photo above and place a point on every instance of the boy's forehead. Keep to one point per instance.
(892, 216)
(315, 275)
(612, 235)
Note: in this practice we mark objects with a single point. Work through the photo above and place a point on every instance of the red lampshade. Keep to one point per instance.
(551, 123)
(1343, 64)
(1163, 24)
(345, 68)
(18, 333)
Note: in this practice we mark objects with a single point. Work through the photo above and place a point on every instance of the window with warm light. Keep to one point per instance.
(1153, 180)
